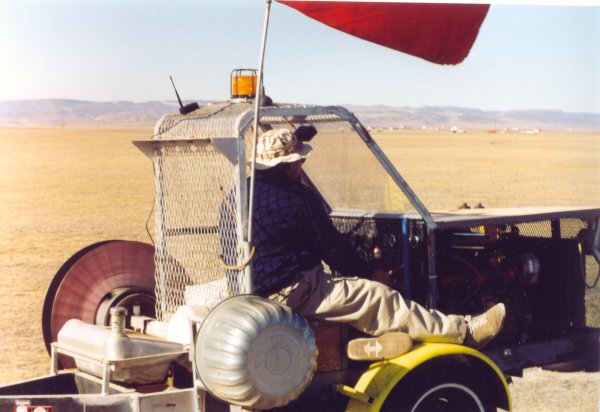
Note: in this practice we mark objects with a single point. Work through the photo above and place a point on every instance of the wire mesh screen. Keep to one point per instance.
(592, 292)
(571, 272)
(194, 237)
(573, 229)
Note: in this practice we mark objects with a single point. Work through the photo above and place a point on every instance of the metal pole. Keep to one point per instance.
(249, 285)
(432, 296)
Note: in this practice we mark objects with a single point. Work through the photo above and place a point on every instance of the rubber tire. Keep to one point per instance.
(440, 389)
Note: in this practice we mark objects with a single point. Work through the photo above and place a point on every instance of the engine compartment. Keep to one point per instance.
(541, 267)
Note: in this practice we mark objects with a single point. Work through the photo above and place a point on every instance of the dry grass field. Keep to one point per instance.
(499, 170)
(62, 189)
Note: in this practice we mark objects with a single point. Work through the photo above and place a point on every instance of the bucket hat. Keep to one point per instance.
(279, 146)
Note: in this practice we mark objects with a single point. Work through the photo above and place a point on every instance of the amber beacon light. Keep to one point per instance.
(243, 83)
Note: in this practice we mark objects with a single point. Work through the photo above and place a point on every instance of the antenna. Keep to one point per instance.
(188, 108)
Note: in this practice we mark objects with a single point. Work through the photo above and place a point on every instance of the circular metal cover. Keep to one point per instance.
(254, 352)
(90, 276)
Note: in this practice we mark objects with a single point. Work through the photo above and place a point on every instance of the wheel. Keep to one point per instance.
(449, 396)
(53, 288)
(450, 389)
(98, 277)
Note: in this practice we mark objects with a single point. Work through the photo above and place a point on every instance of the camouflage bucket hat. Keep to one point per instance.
(279, 146)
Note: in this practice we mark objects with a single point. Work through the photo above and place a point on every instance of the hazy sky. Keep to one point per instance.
(526, 57)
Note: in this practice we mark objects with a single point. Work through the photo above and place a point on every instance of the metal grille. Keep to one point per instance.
(592, 292)
(193, 237)
(211, 121)
(198, 247)
(569, 228)
(534, 229)
(565, 228)
(311, 118)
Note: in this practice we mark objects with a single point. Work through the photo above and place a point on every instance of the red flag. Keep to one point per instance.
(442, 33)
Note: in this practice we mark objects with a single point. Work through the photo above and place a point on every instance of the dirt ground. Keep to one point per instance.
(62, 189)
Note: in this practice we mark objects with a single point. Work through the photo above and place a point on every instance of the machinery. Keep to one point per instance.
(142, 327)
(174, 325)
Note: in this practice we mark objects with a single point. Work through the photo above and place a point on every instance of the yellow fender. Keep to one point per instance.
(380, 378)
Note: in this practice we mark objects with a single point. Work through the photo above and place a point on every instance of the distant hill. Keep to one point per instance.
(69, 112)
(465, 118)
(77, 112)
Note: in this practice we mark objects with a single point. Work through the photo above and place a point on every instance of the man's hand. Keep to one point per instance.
(382, 276)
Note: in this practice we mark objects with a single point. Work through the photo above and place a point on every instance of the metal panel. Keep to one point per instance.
(194, 239)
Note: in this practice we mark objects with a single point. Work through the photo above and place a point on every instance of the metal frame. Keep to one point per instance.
(315, 114)
(107, 365)
(224, 123)
(225, 126)
(304, 114)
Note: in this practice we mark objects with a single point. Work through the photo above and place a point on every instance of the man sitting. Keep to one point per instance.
(293, 235)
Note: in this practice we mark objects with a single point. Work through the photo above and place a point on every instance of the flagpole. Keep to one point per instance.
(248, 282)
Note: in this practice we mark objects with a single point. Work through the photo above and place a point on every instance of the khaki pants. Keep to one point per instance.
(368, 306)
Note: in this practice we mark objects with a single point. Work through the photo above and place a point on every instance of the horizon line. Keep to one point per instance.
(337, 104)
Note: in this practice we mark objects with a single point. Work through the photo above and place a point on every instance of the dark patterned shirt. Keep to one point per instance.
(292, 232)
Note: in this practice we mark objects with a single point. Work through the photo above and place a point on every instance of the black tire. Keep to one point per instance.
(434, 390)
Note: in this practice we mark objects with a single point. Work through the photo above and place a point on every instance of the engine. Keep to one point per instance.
(539, 269)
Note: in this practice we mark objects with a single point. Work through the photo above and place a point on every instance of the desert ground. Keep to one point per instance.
(64, 188)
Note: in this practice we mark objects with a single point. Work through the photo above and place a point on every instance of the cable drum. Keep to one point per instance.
(254, 352)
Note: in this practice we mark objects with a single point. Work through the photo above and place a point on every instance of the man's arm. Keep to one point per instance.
(334, 247)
